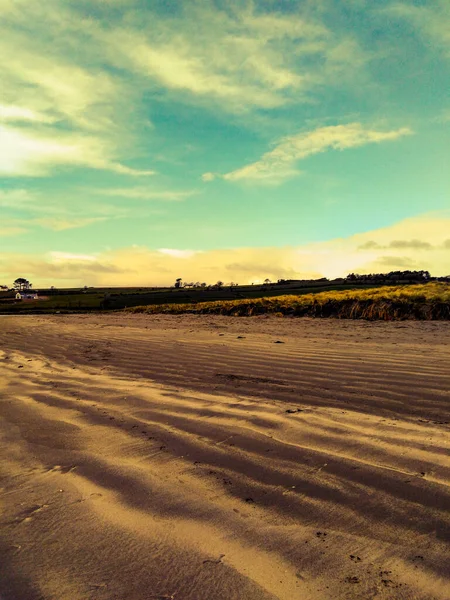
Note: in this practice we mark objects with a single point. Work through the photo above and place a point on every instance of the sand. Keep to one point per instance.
(217, 458)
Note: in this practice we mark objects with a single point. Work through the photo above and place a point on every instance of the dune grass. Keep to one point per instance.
(421, 301)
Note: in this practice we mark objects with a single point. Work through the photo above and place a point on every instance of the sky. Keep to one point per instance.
(146, 140)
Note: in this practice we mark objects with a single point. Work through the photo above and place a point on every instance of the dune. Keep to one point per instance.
(199, 457)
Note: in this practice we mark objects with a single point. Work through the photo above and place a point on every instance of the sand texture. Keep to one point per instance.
(217, 458)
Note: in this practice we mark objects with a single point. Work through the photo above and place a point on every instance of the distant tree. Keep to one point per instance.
(203, 285)
(219, 284)
(267, 281)
(392, 277)
(22, 284)
(178, 283)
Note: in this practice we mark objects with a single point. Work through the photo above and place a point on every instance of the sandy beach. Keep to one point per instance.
(218, 458)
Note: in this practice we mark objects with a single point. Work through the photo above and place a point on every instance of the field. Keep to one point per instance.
(320, 298)
(426, 301)
(210, 457)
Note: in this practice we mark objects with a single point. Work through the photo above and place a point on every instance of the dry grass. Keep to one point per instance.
(422, 301)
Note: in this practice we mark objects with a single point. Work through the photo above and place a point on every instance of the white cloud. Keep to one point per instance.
(16, 198)
(279, 163)
(61, 223)
(234, 57)
(431, 20)
(24, 152)
(19, 113)
(144, 193)
(209, 176)
(56, 83)
(178, 253)
(238, 56)
(53, 84)
(91, 84)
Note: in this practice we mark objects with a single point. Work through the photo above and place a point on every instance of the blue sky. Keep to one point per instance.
(145, 140)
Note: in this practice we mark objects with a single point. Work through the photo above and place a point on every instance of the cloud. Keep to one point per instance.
(60, 212)
(27, 153)
(398, 262)
(143, 266)
(11, 228)
(15, 198)
(19, 113)
(62, 224)
(62, 107)
(55, 85)
(370, 245)
(209, 176)
(68, 256)
(415, 244)
(81, 105)
(178, 253)
(279, 163)
(431, 20)
(144, 193)
(238, 58)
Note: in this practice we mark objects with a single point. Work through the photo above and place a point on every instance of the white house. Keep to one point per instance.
(27, 296)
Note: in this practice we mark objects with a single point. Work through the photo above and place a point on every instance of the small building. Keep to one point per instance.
(27, 296)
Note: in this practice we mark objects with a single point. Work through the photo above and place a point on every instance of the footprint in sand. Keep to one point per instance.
(355, 558)
(28, 514)
(217, 561)
(62, 469)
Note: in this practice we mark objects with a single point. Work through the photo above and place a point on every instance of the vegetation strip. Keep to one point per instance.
(429, 301)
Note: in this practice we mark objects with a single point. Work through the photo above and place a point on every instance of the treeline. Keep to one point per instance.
(393, 276)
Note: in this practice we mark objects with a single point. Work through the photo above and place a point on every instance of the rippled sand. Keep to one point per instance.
(218, 458)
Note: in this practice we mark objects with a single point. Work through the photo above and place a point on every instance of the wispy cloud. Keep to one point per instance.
(144, 193)
(79, 105)
(19, 113)
(64, 107)
(175, 253)
(62, 224)
(59, 212)
(431, 19)
(279, 164)
(396, 244)
(237, 58)
(12, 227)
(16, 198)
(29, 153)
